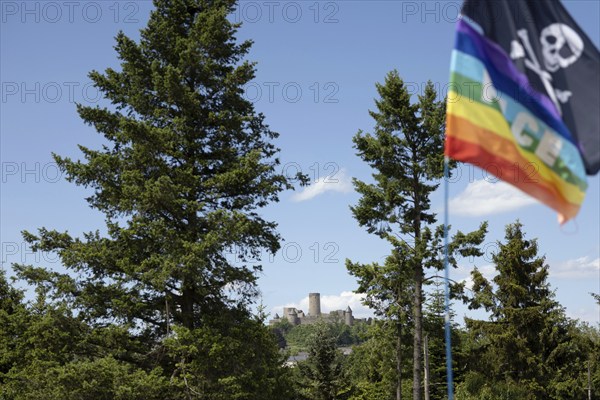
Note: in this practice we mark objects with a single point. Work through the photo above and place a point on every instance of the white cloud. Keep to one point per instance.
(590, 315)
(338, 182)
(485, 198)
(488, 272)
(579, 268)
(583, 267)
(331, 303)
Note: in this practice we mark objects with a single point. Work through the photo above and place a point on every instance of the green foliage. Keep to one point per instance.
(365, 390)
(406, 152)
(372, 366)
(101, 379)
(478, 386)
(233, 357)
(349, 335)
(322, 375)
(47, 353)
(528, 341)
(185, 168)
(187, 164)
(299, 337)
(14, 318)
(434, 326)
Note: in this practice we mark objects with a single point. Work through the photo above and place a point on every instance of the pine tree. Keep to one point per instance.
(406, 151)
(185, 169)
(323, 371)
(528, 343)
(434, 328)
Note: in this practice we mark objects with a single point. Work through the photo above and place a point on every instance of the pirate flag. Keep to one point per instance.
(524, 100)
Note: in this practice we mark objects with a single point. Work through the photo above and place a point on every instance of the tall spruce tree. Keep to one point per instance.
(187, 165)
(323, 376)
(528, 343)
(406, 151)
(434, 327)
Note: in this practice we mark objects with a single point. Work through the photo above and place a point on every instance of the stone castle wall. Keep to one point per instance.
(297, 317)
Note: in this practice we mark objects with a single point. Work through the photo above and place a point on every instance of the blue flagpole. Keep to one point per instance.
(450, 380)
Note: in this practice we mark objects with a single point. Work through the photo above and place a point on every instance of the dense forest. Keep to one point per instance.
(527, 349)
(156, 309)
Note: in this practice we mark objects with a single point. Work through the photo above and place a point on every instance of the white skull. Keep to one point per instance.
(553, 38)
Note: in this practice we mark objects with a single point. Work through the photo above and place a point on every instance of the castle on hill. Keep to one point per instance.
(297, 317)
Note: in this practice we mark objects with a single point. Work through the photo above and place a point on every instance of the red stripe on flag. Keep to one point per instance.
(514, 172)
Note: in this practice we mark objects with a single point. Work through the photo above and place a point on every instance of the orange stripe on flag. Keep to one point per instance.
(505, 146)
(499, 157)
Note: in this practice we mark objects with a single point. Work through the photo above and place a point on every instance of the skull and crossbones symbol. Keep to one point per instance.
(561, 47)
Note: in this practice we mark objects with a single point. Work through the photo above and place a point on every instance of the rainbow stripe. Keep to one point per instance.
(496, 121)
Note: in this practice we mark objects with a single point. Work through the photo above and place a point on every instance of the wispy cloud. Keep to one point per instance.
(582, 267)
(331, 303)
(482, 198)
(339, 182)
(488, 272)
(588, 314)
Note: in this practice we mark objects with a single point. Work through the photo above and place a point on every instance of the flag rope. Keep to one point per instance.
(447, 295)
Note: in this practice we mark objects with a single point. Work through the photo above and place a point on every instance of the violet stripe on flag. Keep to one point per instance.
(541, 40)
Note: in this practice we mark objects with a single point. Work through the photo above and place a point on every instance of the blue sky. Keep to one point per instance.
(318, 63)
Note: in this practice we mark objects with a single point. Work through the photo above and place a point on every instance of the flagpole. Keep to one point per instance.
(450, 380)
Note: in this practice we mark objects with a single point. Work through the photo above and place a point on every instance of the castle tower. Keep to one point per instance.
(348, 318)
(292, 315)
(314, 304)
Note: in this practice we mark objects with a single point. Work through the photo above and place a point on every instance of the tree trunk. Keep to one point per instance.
(418, 295)
(589, 381)
(187, 306)
(418, 335)
(426, 376)
(399, 362)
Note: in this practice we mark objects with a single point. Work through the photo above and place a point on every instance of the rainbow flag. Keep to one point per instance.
(504, 112)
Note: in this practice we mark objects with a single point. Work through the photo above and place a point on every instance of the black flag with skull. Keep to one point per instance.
(558, 58)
